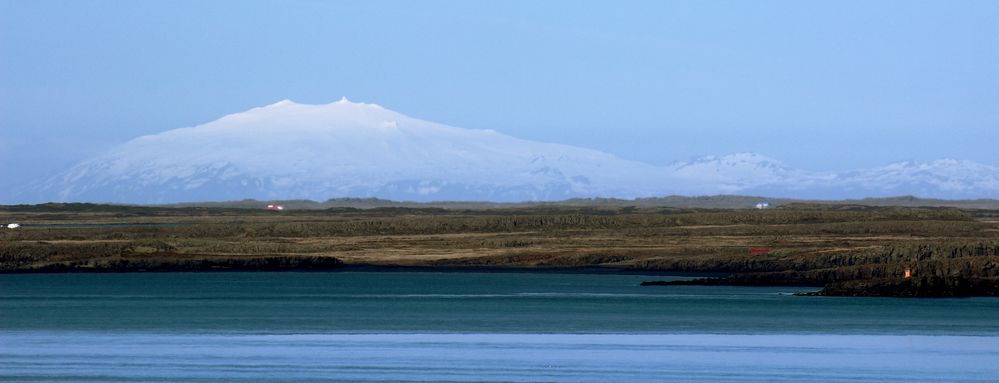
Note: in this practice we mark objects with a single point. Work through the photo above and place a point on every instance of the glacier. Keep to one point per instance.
(289, 150)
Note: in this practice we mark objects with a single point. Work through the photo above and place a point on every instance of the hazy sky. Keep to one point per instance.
(819, 85)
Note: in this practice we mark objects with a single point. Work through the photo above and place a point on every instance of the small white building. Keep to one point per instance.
(762, 205)
(13, 226)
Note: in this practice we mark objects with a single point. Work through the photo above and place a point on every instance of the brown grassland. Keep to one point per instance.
(849, 249)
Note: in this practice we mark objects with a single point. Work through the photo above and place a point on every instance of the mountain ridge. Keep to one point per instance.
(288, 150)
(988, 207)
(674, 201)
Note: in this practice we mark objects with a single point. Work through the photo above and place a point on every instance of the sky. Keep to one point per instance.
(818, 85)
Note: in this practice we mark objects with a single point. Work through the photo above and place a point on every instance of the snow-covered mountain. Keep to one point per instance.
(742, 173)
(754, 174)
(947, 177)
(346, 149)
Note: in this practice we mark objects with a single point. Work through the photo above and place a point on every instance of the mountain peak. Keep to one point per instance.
(734, 159)
(343, 101)
(748, 157)
(284, 102)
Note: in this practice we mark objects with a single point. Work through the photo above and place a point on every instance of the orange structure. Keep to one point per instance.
(908, 272)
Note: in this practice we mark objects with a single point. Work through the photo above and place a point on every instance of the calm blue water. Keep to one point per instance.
(346, 326)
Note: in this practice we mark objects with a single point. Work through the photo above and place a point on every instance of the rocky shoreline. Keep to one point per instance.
(121, 265)
(923, 287)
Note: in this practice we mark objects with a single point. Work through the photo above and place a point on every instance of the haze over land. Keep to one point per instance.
(782, 99)
(288, 150)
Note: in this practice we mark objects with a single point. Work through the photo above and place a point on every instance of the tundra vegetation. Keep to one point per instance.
(848, 249)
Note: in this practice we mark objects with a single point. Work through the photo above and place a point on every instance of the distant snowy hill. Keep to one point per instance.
(743, 172)
(345, 149)
(941, 178)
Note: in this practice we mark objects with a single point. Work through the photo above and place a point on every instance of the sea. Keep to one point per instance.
(347, 326)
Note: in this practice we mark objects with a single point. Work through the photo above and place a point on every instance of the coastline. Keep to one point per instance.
(845, 250)
(376, 268)
(925, 287)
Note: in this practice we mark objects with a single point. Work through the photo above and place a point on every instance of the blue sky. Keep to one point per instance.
(818, 85)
